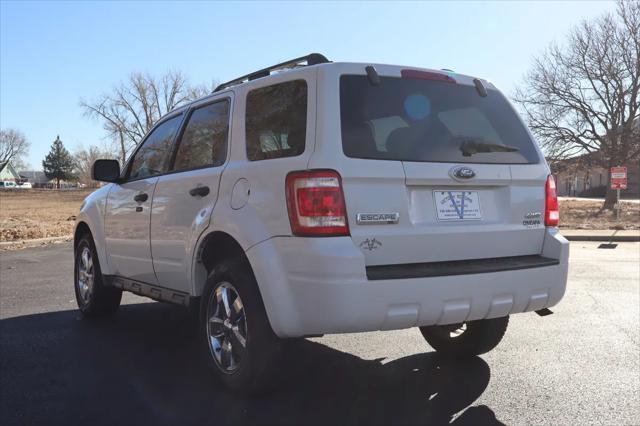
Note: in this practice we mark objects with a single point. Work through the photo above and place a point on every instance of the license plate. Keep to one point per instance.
(457, 205)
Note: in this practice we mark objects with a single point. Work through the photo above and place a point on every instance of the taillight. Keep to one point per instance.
(551, 212)
(316, 203)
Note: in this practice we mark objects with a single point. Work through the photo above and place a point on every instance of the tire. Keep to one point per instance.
(241, 348)
(476, 337)
(94, 298)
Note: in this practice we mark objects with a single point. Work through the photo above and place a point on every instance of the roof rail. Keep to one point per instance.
(311, 59)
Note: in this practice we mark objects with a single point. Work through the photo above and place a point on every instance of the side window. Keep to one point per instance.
(276, 120)
(151, 158)
(204, 141)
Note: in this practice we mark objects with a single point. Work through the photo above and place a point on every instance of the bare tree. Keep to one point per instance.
(583, 96)
(13, 147)
(135, 105)
(84, 159)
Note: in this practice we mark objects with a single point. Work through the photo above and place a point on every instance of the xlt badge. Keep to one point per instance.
(532, 219)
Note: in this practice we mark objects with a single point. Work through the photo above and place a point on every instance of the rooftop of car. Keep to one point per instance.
(319, 60)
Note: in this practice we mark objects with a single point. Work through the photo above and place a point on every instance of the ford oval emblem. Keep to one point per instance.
(462, 173)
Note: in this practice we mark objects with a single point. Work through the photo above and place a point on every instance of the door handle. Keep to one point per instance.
(201, 191)
(141, 198)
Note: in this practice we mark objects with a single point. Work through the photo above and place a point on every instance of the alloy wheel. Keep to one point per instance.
(85, 278)
(226, 327)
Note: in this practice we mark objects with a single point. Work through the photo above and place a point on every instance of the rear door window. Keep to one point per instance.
(204, 140)
(432, 121)
(276, 120)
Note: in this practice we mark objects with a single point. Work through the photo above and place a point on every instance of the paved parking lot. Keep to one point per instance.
(578, 366)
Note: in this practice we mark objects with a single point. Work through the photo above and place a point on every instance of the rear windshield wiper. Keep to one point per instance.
(468, 147)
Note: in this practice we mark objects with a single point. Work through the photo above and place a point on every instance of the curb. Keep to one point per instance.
(603, 237)
(35, 241)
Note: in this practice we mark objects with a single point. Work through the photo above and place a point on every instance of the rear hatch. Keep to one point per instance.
(437, 171)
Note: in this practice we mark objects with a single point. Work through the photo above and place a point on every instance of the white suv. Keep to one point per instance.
(314, 197)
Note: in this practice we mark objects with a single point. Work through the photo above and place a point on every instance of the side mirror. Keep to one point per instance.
(106, 170)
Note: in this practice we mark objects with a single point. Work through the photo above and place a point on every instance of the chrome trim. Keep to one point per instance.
(462, 173)
(377, 218)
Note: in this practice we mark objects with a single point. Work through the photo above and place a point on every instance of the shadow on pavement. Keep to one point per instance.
(142, 367)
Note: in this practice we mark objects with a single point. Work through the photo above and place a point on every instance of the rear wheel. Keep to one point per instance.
(94, 298)
(236, 335)
(466, 339)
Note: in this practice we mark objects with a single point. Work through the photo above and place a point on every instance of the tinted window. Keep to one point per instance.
(204, 141)
(421, 120)
(276, 120)
(151, 158)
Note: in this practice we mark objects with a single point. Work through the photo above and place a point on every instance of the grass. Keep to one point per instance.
(587, 214)
(30, 214)
(38, 213)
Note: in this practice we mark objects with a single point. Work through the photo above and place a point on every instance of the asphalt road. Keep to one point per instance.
(578, 366)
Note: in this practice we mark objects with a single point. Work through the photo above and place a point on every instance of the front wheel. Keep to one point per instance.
(236, 335)
(94, 298)
(466, 339)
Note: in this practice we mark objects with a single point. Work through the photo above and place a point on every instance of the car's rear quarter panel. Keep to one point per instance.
(263, 213)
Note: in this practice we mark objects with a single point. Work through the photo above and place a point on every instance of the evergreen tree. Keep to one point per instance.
(58, 164)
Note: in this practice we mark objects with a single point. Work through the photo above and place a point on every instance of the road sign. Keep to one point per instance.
(618, 178)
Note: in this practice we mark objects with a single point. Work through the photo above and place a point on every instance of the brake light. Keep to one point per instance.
(316, 203)
(551, 212)
(427, 75)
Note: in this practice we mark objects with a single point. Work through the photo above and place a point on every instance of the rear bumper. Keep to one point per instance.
(320, 286)
(458, 267)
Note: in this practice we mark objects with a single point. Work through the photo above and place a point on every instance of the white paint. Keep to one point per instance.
(319, 285)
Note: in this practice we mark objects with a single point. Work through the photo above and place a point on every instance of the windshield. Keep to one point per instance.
(421, 120)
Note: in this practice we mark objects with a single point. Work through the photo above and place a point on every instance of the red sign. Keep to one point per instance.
(618, 178)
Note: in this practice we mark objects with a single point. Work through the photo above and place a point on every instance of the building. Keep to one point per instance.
(37, 178)
(581, 176)
(8, 173)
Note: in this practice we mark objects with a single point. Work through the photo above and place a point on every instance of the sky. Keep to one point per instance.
(52, 54)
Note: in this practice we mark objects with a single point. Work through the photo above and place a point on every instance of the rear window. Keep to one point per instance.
(276, 120)
(421, 120)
